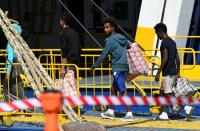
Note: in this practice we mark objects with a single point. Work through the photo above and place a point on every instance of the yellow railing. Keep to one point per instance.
(144, 82)
(184, 36)
(89, 56)
(54, 69)
(100, 80)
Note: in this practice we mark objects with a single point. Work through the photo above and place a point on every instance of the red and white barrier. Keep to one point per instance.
(20, 104)
(126, 100)
(99, 100)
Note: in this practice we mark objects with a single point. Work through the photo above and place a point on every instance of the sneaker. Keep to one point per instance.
(188, 111)
(108, 115)
(127, 117)
(162, 116)
(176, 108)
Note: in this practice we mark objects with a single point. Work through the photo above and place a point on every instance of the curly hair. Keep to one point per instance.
(111, 22)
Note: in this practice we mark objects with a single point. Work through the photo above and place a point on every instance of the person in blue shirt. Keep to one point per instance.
(116, 45)
(12, 72)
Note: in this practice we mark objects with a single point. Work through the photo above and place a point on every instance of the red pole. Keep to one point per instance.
(51, 103)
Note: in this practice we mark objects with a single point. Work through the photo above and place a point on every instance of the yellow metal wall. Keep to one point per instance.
(145, 37)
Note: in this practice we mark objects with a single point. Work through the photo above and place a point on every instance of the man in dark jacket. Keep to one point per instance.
(116, 45)
(70, 44)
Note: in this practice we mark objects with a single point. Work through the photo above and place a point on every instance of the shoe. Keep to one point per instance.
(163, 117)
(127, 117)
(188, 111)
(108, 115)
(176, 108)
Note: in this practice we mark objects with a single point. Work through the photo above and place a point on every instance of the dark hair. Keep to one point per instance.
(66, 18)
(111, 22)
(161, 27)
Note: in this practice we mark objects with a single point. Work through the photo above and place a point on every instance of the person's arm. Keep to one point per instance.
(105, 52)
(10, 58)
(163, 63)
(177, 64)
(63, 55)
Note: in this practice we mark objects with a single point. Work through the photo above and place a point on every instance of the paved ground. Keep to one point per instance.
(140, 123)
(146, 123)
(145, 129)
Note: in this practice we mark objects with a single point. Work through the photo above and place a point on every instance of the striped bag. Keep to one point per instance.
(136, 62)
(67, 85)
(183, 88)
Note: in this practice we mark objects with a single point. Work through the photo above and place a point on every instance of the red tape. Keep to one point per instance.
(100, 100)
